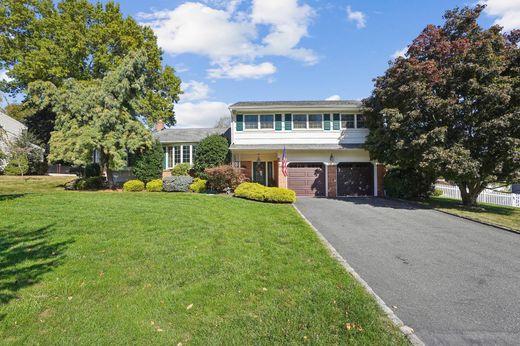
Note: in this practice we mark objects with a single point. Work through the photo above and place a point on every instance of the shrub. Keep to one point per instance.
(38, 168)
(18, 165)
(408, 183)
(133, 186)
(212, 151)
(177, 183)
(148, 165)
(92, 170)
(437, 193)
(262, 193)
(155, 185)
(223, 178)
(92, 183)
(198, 185)
(181, 169)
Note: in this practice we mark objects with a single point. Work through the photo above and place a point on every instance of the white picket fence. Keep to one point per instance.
(486, 196)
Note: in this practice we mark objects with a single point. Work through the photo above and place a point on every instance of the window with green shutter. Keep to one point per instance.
(240, 122)
(288, 122)
(326, 122)
(335, 122)
(278, 122)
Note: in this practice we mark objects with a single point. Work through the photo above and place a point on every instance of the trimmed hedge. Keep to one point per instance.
(181, 169)
(257, 192)
(177, 183)
(198, 185)
(133, 186)
(155, 185)
(92, 183)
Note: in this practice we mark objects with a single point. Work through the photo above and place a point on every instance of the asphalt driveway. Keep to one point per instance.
(456, 282)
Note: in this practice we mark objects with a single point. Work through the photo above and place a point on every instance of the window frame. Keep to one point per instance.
(246, 122)
(356, 127)
(294, 123)
(271, 122)
(309, 121)
(183, 158)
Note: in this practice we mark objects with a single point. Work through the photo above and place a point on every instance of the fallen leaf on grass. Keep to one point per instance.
(353, 326)
(69, 298)
(160, 330)
(101, 274)
(189, 306)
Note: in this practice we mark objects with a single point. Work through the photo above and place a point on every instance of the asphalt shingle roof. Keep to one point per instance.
(188, 135)
(297, 103)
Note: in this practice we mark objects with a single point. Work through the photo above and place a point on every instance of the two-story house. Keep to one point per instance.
(323, 141)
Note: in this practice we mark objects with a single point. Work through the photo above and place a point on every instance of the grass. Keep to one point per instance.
(88, 268)
(508, 217)
(28, 184)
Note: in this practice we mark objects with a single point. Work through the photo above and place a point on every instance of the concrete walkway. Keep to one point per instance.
(456, 282)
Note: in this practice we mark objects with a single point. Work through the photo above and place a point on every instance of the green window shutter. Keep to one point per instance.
(278, 122)
(240, 122)
(326, 121)
(335, 122)
(288, 122)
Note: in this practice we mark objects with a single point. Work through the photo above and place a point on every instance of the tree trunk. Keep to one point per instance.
(469, 193)
(105, 165)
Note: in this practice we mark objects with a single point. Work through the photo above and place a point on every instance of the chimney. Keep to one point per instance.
(159, 126)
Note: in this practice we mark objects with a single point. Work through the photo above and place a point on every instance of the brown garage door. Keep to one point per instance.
(306, 179)
(355, 179)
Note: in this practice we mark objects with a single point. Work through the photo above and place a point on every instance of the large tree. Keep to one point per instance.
(451, 105)
(100, 114)
(51, 41)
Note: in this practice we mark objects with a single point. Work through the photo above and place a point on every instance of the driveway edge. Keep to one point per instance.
(406, 330)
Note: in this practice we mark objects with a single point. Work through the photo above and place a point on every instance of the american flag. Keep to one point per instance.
(284, 163)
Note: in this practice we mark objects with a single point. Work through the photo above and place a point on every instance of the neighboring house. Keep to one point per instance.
(179, 144)
(12, 128)
(323, 142)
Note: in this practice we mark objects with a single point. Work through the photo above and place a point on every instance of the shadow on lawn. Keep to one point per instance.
(25, 256)
(11, 196)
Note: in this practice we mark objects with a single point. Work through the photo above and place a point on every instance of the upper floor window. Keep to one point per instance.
(267, 121)
(300, 121)
(348, 121)
(353, 121)
(251, 121)
(315, 121)
(361, 122)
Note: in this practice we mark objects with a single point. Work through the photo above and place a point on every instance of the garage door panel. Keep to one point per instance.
(355, 179)
(307, 179)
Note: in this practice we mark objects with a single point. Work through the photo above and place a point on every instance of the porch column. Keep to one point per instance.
(282, 179)
(332, 175)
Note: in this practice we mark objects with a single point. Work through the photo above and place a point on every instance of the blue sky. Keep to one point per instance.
(236, 50)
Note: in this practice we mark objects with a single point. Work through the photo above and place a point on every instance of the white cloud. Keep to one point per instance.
(200, 114)
(400, 52)
(229, 37)
(243, 71)
(194, 90)
(288, 24)
(333, 98)
(507, 11)
(356, 16)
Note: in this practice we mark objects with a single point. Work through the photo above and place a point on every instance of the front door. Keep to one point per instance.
(259, 172)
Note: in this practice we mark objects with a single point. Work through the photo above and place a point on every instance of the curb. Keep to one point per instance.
(406, 330)
(485, 223)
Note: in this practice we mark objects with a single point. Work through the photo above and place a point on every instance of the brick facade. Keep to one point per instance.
(381, 170)
(331, 180)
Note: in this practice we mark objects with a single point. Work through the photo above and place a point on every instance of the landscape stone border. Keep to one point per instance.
(406, 330)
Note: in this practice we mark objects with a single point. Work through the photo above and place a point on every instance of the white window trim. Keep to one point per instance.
(307, 128)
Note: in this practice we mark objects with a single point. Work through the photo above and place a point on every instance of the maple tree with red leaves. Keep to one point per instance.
(451, 106)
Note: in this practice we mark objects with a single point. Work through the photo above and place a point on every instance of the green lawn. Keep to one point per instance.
(508, 217)
(27, 184)
(87, 268)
